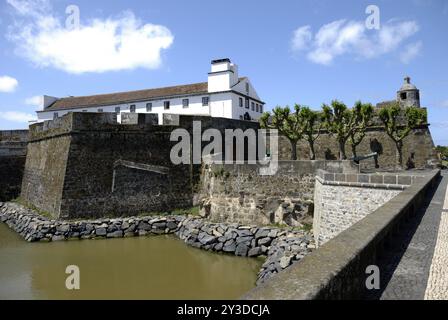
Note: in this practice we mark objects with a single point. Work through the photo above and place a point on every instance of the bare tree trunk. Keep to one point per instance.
(354, 150)
(399, 145)
(312, 152)
(293, 150)
(342, 154)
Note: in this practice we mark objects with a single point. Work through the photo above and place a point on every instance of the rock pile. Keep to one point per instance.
(281, 247)
(33, 227)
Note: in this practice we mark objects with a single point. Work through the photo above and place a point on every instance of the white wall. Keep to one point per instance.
(195, 108)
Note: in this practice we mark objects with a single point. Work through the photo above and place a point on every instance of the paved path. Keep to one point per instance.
(415, 266)
(437, 288)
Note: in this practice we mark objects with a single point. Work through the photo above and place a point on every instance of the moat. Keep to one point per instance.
(157, 267)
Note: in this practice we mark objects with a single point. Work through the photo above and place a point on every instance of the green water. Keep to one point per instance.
(160, 267)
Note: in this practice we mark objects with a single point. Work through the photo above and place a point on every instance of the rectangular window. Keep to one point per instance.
(149, 107)
(117, 109)
(185, 103)
(132, 108)
(261, 108)
(166, 105)
(241, 102)
(247, 103)
(100, 110)
(253, 106)
(205, 101)
(256, 107)
(247, 88)
(55, 115)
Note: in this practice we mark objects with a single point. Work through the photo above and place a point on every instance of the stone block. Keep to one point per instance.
(390, 179)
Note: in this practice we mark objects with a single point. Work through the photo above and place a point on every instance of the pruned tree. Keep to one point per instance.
(363, 113)
(341, 122)
(311, 125)
(287, 123)
(397, 130)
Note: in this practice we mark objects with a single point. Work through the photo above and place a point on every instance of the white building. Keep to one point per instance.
(224, 95)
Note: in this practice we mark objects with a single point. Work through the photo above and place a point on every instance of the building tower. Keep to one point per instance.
(408, 95)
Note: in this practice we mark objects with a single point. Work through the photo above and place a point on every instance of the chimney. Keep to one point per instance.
(223, 75)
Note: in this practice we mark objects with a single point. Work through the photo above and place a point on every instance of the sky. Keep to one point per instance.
(308, 52)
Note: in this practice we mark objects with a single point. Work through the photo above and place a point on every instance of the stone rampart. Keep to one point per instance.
(12, 162)
(239, 193)
(75, 165)
(418, 149)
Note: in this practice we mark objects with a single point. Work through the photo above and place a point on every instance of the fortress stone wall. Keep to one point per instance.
(418, 150)
(12, 162)
(88, 165)
(238, 193)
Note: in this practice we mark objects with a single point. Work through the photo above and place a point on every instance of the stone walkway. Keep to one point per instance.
(415, 266)
(437, 288)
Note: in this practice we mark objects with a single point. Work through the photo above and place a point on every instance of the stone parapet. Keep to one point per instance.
(337, 270)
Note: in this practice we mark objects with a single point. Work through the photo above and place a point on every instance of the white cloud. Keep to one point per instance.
(410, 52)
(352, 37)
(101, 45)
(8, 84)
(36, 101)
(15, 116)
(301, 38)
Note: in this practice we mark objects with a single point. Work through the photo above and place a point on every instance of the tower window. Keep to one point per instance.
(185, 103)
(55, 115)
(241, 102)
(100, 110)
(166, 105)
(132, 108)
(403, 96)
(253, 106)
(247, 88)
(117, 109)
(247, 103)
(205, 101)
(149, 107)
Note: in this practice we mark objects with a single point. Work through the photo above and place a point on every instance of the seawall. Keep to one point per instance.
(281, 247)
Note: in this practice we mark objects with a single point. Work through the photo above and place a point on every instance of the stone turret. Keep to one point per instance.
(408, 95)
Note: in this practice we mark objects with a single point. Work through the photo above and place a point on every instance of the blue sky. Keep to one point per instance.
(308, 52)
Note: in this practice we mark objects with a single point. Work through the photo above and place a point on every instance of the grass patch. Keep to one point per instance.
(307, 227)
(24, 203)
(445, 163)
(194, 211)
